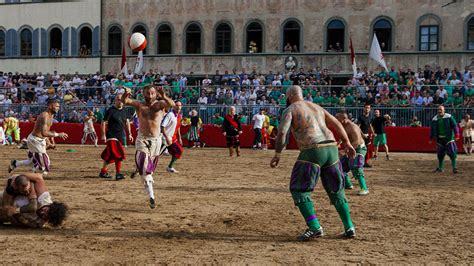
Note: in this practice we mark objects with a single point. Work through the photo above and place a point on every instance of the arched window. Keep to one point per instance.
(254, 40)
(223, 39)
(55, 42)
(335, 37)
(142, 30)
(165, 39)
(470, 34)
(115, 41)
(2, 43)
(291, 36)
(26, 42)
(193, 39)
(383, 30)
(85, 42)
(429, 33)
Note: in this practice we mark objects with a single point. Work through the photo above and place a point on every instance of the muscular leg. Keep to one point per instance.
(172, 162)
(386, 149)
(332, 179)
(303, 180)
(347, 181)
(84, 138)
(358, 174)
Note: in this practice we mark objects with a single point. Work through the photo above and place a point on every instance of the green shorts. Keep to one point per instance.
(380, 139)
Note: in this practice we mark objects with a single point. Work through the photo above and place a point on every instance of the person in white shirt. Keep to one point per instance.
(427, 99)
(206, 82)
(467, 125)
(40, 80)
(258, 120)
(442, 92)
(129, 76)
(203, 99)
(252, 97)
(89, 130)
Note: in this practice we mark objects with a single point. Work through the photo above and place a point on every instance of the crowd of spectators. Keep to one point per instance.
(397, 88)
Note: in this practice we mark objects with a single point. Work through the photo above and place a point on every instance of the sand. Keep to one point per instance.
(239, 211)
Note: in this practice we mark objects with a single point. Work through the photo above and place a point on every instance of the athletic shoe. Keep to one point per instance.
(152, 203)
(12, 166)
(388, 158)
(367, 165)
(171, 170)
(455, 171)
(310, 234)
(375, 158)
(349, 233)
(349, 187)
(363, 193)
(134, 174)
(438, 170)
(105, 175)
(119, 176)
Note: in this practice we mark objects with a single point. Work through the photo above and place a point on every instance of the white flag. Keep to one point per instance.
(376, 53)
(139, 63)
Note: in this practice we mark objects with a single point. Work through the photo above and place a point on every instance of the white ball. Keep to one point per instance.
(137, 42)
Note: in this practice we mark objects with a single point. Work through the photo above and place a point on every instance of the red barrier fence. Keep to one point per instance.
(404, 139)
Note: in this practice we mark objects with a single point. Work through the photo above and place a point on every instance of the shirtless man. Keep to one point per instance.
(355, 165)
(318, 154)
(148, 142)
(38, 142)
(26, 202)
(89, 128)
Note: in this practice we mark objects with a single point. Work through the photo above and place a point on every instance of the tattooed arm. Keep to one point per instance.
(281, 136)
(44, 124)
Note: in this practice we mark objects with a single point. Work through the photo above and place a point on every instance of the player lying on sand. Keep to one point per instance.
(26, 202)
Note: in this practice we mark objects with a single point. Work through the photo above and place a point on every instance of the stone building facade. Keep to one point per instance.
(405, 18)
(207, 35)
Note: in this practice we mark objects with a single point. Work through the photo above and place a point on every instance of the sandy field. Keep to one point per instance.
(240, 211)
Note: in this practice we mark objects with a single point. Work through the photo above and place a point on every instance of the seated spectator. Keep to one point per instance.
(415, 122)
(218, 120)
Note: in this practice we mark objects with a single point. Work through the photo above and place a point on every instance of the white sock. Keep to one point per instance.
(148, 184)
(23, 162)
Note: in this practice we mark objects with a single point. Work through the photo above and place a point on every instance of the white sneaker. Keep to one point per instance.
(171, 170)
(363, 193)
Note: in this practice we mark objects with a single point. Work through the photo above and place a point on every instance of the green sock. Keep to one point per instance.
(453, 162)
(344, 213)
(172, 162)
(347, 181)
(440, 161)
(359, 175)
(307, 210)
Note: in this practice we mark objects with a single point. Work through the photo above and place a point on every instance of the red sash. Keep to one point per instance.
(231, 120)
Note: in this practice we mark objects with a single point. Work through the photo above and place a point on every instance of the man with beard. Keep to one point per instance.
(26, 202)
(150, 115)
(37, 141)
(445, 132)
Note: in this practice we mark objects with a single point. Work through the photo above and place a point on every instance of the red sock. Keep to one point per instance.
(103, 170)
(117, 166)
